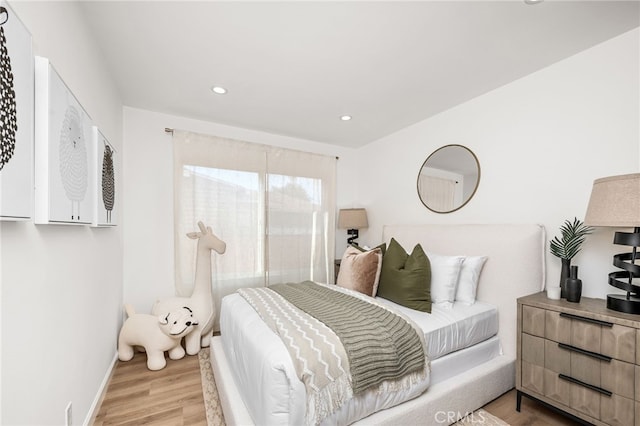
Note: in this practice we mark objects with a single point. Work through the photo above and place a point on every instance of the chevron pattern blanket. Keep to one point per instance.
(335, 364)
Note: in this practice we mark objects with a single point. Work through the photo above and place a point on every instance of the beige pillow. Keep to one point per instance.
(360, 271)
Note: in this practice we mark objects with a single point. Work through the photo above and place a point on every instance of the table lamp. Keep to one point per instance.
(615, 202)
(352, 220)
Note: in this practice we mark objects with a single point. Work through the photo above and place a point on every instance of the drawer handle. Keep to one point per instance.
(586, 385)
(590, 320)
(584, 352)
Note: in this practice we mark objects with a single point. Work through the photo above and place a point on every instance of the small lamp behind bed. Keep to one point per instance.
(352, 220)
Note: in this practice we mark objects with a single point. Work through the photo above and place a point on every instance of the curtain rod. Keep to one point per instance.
(170, 130)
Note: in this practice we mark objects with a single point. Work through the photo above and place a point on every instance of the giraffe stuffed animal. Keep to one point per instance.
(201, 300)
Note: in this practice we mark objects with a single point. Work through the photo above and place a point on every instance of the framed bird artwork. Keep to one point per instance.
(64, 152)
(16, 117)
(105, 187)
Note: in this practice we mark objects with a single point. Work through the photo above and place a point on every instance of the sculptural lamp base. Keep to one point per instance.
(629, 303)
(620, 303)
(353, 235)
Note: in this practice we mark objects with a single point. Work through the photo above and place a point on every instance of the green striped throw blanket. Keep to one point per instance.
(340, 343)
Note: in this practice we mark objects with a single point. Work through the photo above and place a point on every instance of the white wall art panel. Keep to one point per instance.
(16, 118)
(64, 152)
(105, 188)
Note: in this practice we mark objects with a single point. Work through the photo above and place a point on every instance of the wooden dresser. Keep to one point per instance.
(581, 358)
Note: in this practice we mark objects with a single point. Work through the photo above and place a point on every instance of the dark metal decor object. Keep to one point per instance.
(629, 303)
(8, 120)
(574, 286)
(565, 273)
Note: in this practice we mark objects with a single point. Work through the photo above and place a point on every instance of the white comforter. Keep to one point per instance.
(267, 379)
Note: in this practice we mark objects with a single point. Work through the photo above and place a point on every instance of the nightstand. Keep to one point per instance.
(580, 358)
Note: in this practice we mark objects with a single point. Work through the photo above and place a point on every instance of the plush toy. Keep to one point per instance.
(201, 300)
(156, 334)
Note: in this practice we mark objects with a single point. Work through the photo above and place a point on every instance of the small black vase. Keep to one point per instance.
(573, 286)
(564, 275)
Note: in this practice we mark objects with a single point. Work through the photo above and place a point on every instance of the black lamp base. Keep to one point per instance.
(353, 236)
(628, 303)
(620, 303)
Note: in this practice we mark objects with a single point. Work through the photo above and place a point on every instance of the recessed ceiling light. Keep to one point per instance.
(219, 90)
(533, 1)
(345, 117)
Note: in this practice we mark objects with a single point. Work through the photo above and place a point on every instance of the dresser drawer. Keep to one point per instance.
(597, 370)
(613, 340)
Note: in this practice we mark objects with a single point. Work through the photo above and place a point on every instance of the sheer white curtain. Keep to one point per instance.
(273, 207)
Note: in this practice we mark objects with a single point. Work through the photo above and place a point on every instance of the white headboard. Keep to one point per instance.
(515, 266)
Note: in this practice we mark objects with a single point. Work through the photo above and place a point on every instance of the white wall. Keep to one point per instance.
(148, 176)
(541, 141)
(61, 286)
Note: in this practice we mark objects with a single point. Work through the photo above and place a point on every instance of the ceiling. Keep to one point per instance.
(293, 68)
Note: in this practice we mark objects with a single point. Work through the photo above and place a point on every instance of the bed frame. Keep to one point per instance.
(515, 267)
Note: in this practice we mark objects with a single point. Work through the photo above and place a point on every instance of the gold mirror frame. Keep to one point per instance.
(454, 170)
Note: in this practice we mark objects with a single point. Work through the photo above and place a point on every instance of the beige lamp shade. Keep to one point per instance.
(352, 219)
(615, 201)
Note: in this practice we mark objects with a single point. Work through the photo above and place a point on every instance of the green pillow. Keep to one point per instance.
(406, 279)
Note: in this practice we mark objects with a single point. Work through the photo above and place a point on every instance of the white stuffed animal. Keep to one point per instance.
(156, 334)
(201, 300)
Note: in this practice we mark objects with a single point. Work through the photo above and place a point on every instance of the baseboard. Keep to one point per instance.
(102, 390)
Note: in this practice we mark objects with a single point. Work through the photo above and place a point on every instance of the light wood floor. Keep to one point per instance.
(173, 396)
(531, 412)
(138, 396)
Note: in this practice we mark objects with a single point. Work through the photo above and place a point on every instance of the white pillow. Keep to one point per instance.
(445, 271)
(469, 277)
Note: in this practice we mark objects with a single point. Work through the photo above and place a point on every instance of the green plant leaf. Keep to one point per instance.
(572, 235)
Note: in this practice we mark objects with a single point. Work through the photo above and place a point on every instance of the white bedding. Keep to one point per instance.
(447, 330)
(501, 283)
(465, 359)
(264, 363)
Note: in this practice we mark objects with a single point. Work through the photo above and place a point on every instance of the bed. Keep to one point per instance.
(463, 375)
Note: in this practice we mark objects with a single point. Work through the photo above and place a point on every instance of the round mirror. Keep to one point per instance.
(448, 178)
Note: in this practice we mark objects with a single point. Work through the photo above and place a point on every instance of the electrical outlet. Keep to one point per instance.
(68, 421)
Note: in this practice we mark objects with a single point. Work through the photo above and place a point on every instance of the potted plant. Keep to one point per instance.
(572, 235)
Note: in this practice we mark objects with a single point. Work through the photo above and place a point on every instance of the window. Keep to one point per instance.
(273, 207)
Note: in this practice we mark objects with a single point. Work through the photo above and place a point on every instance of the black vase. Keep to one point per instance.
(564, 275)
(573, 286)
